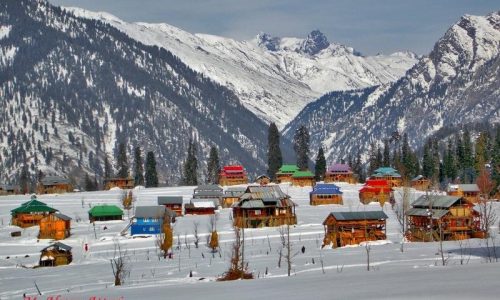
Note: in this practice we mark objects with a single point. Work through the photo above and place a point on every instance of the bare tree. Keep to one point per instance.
(196, 225)
(287, 246)
(237, 269)
(488, 216)
(401, 209)
(368, 249)
(120, 264)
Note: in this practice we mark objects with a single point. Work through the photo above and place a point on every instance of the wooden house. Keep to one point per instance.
(209, 191)
(354, 227)
(30, 213)
(7, 189)
(375, 191)
(263, 180)
(325, 193)
(233, 175)
(303, 178)
(55, 226)
(149, 219)
(264, 206)
(122, 183)
(231, 196)
(340, 173)
(436, 217)
(54, 185)
(105, 213)
(174, 203)
(57, 254)
(420, 183)
(387, 173)
(285, 173)
(469, 191)
(200, 207)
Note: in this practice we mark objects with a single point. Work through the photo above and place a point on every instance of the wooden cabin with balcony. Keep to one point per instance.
(105, 212)
(122, 183)
(54, 185)
(30, 213)
(233, 175)
(420, 183)
(285, 173)
(174, 203)
(469, 192)
(303, 178)
(57, 254)
(441, 217)
(231, 196)
(264, 206)
(354, 227)
(375, 191)
(55, 226)
(200, 207)
(387, 173)
(340, 173)
(325, 193)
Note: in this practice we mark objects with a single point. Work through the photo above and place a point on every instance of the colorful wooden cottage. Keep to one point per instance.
(387, 173)
(263, 180)
(209, 191)
(174, 203)
(436, 217)
(149, 219)
(264, 206)
(303, 178)
(8, 189)
(233, 175)
(420, 183)
(232, 195)
(340, 173)
(354, 227)
(30, 213)
(200, 207)
(375, 190)
(469, 191)
(325, 193)
(105, 213)
(285, 173)
(54, 185)
(122, 183)
(55, 226)
(57, 254)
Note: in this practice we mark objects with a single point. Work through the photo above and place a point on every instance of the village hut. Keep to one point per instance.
(303, 178)
(54, 185)
(469, 192)
(325, 193)
(105, 212)
(340, 173)
(420, 183)
(375, 190)
(55, 226)
(233, 175)
(285, 173)
(201, 206)
(390, 174)
(57, 254)
(124, 183)
(174, 203)
(30, 213)
(148, 220)
(232, 195)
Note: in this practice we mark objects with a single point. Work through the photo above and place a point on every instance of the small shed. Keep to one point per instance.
(339, 173)
(303, 178)
(285, 173)
(232, 195)
(7, 189)
(375, 190)
(420, 183)
(55, 226)
(469, 192)
(124, 183)
(105, 213)
(174, 203)
(30, 213)
(325, 193)
(54, 185)
(57, 254)
(233, 175)
(200, 207)
(149, 219)
(354, 227)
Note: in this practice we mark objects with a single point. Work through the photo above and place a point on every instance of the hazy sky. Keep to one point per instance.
(370, 26)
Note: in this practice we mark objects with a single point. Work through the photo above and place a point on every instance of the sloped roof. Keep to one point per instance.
(270, 195)
(162, 200)
(52, 180)
(302, 174)
(437, 201)
(62, 216)
(325, 189)
(386, 171)
(58, 246)
(252, 204)
(208, 187)
(232, 169)
(436, 213)
(288, 169)
(105, 210)
(418, 178)
(339, 168)
(234, 192)
(376, 182)
(359, 215)
(464, 187)
(154, 212)
(33, 206)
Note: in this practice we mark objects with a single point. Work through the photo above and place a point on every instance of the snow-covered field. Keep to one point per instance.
(414, 273)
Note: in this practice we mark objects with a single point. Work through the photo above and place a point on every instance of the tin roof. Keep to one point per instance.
(339, 168)
(435, 213)
(270, 195)
(386, 171)
(105, 210)
(464, 187)
(288, 169)
(234, 192)
(52, 180)
(359, 215)
(302, 174)
(325, 189)
(33, 206)
(62, 216)
(435, 201)
(162, 200)
(154, 212)
(58, 246)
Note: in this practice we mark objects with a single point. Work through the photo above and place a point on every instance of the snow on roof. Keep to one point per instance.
(464, 187)
(162, 200)
(203, 203)
(343, 168)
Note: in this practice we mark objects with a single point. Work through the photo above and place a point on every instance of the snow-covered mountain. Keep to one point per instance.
(457, 83)
(273, 77)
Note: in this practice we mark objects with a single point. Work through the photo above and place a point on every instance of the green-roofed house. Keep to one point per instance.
(105, 213)
(30, 213)
(390, 174)
(303, 178)
(285, 173)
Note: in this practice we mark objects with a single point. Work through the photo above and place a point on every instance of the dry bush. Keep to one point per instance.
(238, 269)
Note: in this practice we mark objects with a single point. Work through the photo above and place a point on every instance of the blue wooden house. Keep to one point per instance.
(149, 219)
(325, 193)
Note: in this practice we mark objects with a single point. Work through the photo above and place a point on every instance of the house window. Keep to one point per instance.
(257, 212)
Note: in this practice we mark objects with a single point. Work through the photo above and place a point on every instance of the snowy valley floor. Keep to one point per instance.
(415, 273)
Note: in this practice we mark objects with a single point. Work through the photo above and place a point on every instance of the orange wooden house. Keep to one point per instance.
(325, 193)
(233, 175)
(54, 185)
(420, 183)
(375, 190)
(390, 174)
(303, 178)
(442, 217)
(285, 173)
(469, 191)
(30, 213)
(175, 203)
(340, 173)
(354, 227)
(122, 183)
(55, 226)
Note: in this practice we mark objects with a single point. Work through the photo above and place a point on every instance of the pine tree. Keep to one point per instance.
(495, 157)
(108, 173)
(373, 159)
(122, 161)
(468, 159)
(358, 168)
(427, 161)
(213, 166)
(151, 173)
(386, 156)
(24, 180)
(138, 167)
(274, 156)
(190, 174)
(481, 156)
(320, 166)
(89, 183)
(301, 147)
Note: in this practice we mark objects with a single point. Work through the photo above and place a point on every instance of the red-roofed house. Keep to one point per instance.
(233, 175)
(375, 190)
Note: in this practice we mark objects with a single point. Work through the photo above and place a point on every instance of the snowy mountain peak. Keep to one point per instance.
(268, 42)
(314, 43)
